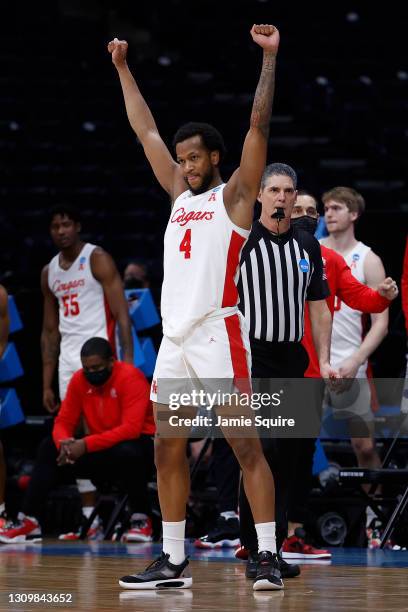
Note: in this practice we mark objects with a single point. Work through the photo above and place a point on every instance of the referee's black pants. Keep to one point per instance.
(275, 360)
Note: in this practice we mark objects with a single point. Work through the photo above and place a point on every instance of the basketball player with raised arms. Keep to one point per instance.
(83, 298)
(204, 334)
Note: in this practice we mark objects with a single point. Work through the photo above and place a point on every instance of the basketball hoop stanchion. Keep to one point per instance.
(396, 515)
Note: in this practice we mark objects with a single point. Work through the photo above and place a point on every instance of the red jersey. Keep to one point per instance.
(404, 286)
(116, 411)
(349, 290)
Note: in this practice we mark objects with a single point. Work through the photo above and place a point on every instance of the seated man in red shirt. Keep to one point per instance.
(113, 399)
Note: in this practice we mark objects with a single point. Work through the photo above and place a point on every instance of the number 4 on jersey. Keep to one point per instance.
(185, 244)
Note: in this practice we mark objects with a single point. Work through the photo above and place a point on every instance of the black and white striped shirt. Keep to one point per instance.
(277, 276)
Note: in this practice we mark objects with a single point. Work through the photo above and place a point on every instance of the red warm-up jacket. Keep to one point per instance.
(346, 287)
(116, 411)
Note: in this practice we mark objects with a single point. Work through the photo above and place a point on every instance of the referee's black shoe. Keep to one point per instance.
(268, 575)
(161, 574)
(288, 570)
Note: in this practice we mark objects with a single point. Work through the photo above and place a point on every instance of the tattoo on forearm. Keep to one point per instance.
(262, 106)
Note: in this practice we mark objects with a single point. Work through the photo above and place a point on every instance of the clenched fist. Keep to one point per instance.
(118, 50)
(266, 36)
(388, 289)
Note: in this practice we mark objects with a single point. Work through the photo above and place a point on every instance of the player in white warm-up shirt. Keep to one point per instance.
(83, 311)
(204, 336)
(83, 298)
(349, 351)
(348, 328)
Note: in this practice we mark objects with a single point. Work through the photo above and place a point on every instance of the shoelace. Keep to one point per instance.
(157, 562)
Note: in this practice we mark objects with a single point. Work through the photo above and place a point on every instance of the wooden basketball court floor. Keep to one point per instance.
(355, 579)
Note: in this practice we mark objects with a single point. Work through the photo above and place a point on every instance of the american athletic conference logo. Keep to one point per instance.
(355, 258)
(82, 263)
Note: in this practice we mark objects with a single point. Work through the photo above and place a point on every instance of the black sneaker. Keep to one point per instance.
(287, 570)
(161, 574)
(252, 565)
(268, 575)
(225, 534)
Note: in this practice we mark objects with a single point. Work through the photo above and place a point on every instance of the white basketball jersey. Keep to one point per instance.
(202, 248)
(83, 310)
(347, 331)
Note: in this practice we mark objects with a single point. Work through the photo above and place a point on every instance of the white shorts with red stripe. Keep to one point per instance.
(216, 350)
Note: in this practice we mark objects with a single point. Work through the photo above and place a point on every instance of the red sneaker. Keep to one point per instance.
(296, 548)
(95, 532)
(141, 530)
(26, 528)
(70, 536)
(241, 553)
(3, 520)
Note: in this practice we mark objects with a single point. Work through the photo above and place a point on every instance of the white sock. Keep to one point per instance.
(370, 516)
(228, 514)
(266, 536)
(87, 511)
(173, 541)
(2, 507)
(85, 486)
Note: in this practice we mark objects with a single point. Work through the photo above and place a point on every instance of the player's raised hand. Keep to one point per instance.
(266, 36)
(388, 288)
(118, 50)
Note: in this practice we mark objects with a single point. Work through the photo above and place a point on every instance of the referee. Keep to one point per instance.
(281, 268)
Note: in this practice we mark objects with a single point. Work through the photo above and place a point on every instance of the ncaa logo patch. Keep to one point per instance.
(303, 265)
(356, 257)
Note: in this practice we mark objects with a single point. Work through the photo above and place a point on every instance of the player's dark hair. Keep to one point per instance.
(64, 210)
(280, 169)
(212, 139)
(304, 192)
(97, 346)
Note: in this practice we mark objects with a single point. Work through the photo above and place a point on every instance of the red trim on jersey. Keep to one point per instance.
(110, 325)
(238, 354)
(230, 295)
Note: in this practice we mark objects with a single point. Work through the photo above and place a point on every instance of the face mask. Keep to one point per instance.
(308, 224)
(98, 378)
